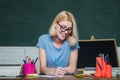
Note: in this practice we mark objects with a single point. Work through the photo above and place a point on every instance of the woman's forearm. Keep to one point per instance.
(47, 71)
(70, 70)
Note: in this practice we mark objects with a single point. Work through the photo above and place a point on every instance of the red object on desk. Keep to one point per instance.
(104, 68)
(108, 71)
(99, 68)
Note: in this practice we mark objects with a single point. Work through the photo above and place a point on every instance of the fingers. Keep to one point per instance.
(60, 72)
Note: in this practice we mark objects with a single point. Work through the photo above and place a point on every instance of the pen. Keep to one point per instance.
(36, 60)
(24, 61)
(60, 65)
(108, 61)
(32, 61)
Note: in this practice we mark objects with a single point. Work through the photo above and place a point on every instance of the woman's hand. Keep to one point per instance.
(60, 72)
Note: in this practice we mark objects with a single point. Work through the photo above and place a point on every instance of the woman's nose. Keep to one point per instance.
(66, 31)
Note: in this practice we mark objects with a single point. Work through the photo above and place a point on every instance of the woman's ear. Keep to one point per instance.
(55, 24)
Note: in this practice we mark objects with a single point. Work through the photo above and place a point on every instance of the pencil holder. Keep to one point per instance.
(108, 71)
(29, 68)
(104, 68)
(99, 67)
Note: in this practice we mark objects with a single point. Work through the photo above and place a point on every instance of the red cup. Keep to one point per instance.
(29, 68)
(108, 71)
(99, 67)
(104, 68)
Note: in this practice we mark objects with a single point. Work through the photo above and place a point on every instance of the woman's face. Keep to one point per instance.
(63, 29)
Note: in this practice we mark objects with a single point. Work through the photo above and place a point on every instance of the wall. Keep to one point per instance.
(15, 55)
(23, 21)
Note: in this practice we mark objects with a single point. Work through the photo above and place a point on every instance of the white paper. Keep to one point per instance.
(52, 76)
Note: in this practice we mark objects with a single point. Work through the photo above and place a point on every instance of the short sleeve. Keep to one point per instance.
(76, 46)
(40, 43)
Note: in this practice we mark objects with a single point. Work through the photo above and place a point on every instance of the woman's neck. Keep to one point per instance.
(57, 42)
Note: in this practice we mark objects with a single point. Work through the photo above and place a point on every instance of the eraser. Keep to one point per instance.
(31, 75)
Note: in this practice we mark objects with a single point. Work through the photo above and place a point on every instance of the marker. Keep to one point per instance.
(26, 59)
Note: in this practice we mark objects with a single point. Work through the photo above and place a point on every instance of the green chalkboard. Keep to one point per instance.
(23, 21)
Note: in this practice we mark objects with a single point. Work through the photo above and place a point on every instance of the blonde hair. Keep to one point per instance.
(62, 16)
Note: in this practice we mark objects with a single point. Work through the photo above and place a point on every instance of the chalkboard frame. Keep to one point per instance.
(88, 46)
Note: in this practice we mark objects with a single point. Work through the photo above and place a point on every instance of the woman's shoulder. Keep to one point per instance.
(43, 40)
(44, 36)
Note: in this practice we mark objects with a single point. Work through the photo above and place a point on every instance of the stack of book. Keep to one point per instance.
(10, 70)
(89, 70)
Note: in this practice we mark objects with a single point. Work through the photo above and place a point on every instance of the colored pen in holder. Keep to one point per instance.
(29, 66)
(103, 68)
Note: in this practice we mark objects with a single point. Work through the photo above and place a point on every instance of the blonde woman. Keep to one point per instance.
(58, 50)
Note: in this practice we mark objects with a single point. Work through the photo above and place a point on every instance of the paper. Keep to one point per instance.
(52, 76)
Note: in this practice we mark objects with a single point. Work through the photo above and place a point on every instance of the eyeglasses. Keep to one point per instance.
(63, 28)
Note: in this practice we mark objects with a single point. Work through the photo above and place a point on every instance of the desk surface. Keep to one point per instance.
(65, 78)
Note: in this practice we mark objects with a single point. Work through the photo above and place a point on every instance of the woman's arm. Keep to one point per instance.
(73, 62)
(53, 71)
(43, 68)
(59, 71)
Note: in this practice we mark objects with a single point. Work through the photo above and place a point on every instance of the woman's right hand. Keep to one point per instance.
(60, 72)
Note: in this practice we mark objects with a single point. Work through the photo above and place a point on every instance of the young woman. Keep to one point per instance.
(58, 50)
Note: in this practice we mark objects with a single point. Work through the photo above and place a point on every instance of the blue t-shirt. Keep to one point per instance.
(55, 56)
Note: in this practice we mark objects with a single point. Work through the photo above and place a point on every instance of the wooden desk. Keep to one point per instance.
(66, 78)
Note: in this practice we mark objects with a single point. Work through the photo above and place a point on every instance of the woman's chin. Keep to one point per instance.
(62, 38)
